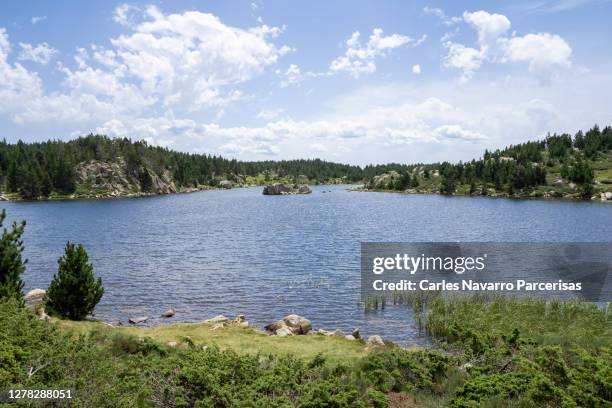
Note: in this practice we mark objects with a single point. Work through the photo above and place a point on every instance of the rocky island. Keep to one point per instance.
(285, 189)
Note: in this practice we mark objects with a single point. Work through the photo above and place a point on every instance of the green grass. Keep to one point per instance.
(232, 337)
(565, 323)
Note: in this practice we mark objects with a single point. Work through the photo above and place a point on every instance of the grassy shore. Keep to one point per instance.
(489, 352)
(246, 340)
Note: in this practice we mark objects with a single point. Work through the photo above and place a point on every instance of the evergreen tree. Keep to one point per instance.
(146, 181)
(587, 191)
(448, 185)
(472, 188)
(12, 265)
(74, 292)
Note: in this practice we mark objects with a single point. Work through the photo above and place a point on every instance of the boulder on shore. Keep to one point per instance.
(217, 319)
(289, 326)
(298, 324)
(375, 341)
(140, 319)
(284, 189)
(168, 313)
(34, 297)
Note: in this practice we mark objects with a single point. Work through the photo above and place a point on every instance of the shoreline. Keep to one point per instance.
(501, 196)
(95, 197)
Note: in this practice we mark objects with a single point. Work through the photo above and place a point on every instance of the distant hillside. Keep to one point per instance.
(560, 166)
(97, 166)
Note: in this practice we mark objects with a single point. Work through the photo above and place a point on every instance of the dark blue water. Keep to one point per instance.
(237, 251)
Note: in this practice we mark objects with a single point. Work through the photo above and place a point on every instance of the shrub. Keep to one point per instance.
(74, 292)
(12, 265)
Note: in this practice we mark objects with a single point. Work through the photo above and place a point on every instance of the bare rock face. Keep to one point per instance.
(284, 189)
(115, 179)
(384, 181)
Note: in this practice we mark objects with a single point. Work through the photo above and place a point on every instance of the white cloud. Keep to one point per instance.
(467, 59)
(360, 58)
(434, 11)
(37, 19)
(457, 132)
(125, 15)
(542, 51)
(186, 59)
(292, 76)
(41, 53)
(416, 69)
(489, 26)
(184, 62)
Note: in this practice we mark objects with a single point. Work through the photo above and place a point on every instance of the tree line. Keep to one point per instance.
(526, 165)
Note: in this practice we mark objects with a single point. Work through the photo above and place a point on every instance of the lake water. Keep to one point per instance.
(238, 251)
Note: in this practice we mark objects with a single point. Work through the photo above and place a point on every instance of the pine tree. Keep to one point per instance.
(12, 265)
(74, 292)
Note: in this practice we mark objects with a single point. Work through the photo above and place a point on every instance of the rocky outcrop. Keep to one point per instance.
(226, 184)
(168, 313)
(284, 189)
(291, 325)
(116, 179)
(384, 181)
(606, 196)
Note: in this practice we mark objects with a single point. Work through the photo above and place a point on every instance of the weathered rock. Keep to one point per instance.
(217, 319)
(284, 331)
(42, 315)
(274, 326)
(225, 184)
(168, 313)
(606, 196)
(350, 337)
(384, 181)
(304, 189)
(177, 344)
(218, 326)
(298, 324)
(244, 324)
(375, 341)
(114, 179)
(356, 333)
(140, 319)
(283, 189)
(240, 318)
(34, 297)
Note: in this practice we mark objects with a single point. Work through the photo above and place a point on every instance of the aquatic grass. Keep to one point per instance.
(558, 322)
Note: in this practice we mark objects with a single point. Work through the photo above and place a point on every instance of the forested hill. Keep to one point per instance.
(578, 166)
(558, 166)
(98, 166)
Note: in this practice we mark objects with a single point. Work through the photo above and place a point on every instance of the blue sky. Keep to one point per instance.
(358, 82)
